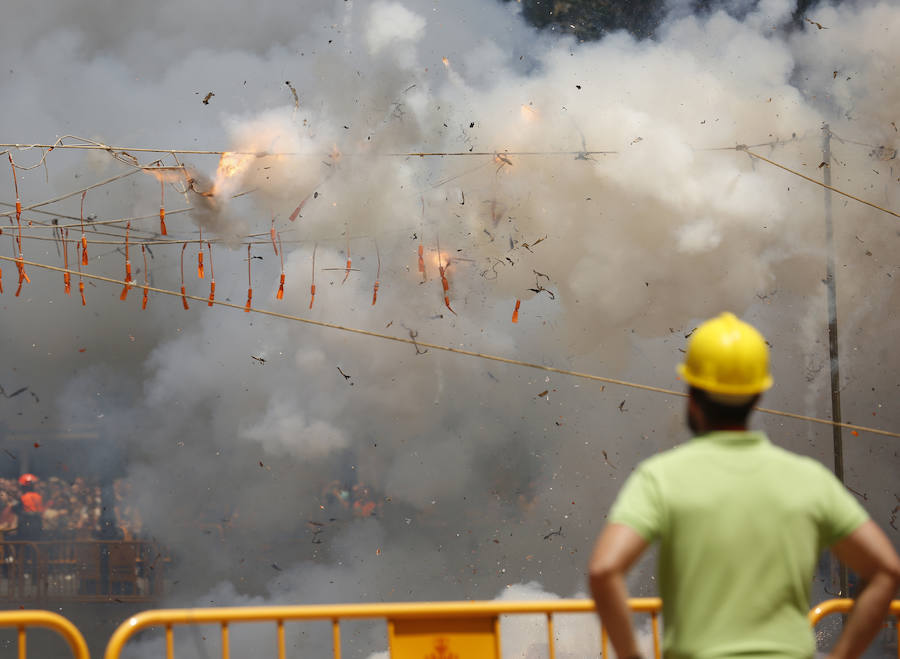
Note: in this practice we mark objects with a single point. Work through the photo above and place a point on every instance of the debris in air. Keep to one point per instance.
(553, 533)
(294, 93)
(412, 335)
(346, 377)
(13, 394)
(606, 459)
(207, 97)
(812, 22)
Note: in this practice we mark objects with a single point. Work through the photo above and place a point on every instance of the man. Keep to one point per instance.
(740, 524)
(29, 509)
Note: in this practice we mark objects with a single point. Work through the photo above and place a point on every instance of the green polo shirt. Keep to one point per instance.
(740, 524)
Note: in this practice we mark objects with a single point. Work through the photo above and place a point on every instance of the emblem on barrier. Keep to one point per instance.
(442, 650)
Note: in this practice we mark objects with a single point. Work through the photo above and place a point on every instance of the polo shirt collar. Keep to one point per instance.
(735, 437)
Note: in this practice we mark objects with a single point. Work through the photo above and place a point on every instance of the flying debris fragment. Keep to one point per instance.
(606, 459)
(413, 334)
(883, 153)
(812, 22)
(207, 97)
(13, 394)
(553, 533)
(294, 93)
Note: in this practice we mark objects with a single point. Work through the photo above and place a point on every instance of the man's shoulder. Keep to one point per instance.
(688, 453)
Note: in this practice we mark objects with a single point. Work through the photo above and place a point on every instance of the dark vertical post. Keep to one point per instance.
(833, 331)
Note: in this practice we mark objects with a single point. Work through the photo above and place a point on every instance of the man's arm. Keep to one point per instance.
(869, 553)
(617, 548)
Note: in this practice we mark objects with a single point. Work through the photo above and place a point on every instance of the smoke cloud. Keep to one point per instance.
(597, 190)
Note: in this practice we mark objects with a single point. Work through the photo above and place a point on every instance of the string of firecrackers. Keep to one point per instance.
(495, 154)
(854, 428)
(23, 277)
(123, 151)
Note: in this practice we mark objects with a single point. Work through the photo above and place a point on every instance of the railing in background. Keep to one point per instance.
(81, 570)
(413, 629)
(21, 620)
(829, 607)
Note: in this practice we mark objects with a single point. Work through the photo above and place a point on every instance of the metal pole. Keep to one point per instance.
(833, 331)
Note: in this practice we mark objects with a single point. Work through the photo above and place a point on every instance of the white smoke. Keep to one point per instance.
(243, 421)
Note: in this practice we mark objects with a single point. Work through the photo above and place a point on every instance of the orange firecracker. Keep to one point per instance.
(80, 280)
(377, 275)
(312, 286)
(127, 286)
(84, 253)
(515, 316)
(444, 283)
(212, 277)
(200, 256)
(280, 294)
(23, 276)
(349, 262)
(66, 279)
(249, 286)
(162, 208)
(184, 301)
(144, 300)
(272, 235)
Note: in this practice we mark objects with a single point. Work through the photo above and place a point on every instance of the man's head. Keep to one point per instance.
(727, 368)
(28, 482)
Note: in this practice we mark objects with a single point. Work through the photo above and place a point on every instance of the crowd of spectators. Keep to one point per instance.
(73, 509)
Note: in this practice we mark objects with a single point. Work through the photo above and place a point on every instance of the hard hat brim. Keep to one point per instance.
(716, 387)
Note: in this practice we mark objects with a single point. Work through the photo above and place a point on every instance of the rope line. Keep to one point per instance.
(812, 180)
(70, 194)
(450, 349)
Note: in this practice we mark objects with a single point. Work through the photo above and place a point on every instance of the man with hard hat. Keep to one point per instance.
(740, 524)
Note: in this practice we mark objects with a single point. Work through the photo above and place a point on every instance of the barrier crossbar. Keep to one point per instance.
(829, 607)
(21, 620)
(472, 626)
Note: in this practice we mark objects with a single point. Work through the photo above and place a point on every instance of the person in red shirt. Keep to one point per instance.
(29, 509)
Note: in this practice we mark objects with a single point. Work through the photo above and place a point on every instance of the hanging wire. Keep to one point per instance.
(471, 353)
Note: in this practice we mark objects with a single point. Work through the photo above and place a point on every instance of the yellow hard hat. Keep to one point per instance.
(727, 356)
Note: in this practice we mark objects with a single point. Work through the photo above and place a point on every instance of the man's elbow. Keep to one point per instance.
(892, 570)
(602, 570)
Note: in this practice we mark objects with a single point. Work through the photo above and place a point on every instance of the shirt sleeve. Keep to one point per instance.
(841, 513)
(639, 505)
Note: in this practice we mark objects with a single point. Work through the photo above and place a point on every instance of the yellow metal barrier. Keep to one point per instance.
(440, 629)
(828, 607)
(47, 620)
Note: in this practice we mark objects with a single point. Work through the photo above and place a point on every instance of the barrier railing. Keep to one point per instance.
(21, 620)
(81, 570)
(828, 607)
(440, 629)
